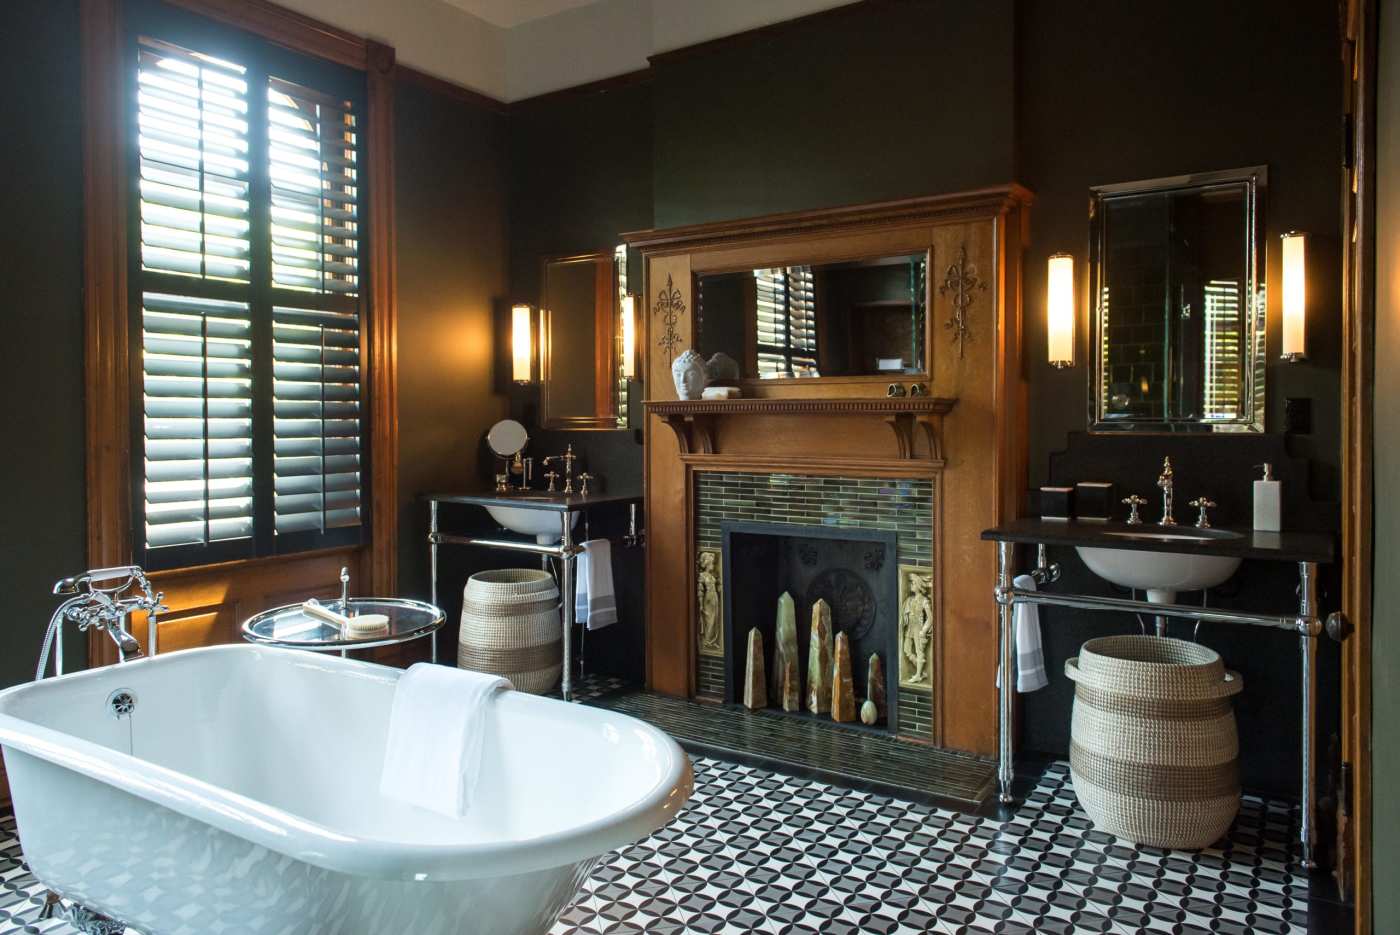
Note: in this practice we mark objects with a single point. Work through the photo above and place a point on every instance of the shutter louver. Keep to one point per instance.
(312, 150)
(197, 375)
(193, 152)
(316, 369)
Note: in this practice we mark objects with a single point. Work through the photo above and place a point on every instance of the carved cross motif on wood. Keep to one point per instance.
(670, 308)
(960, 282)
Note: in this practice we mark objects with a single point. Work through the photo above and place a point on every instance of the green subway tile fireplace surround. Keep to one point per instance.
(901, 506)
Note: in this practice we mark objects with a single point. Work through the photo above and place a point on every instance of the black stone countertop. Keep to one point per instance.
(1247, 543)
(537, 499)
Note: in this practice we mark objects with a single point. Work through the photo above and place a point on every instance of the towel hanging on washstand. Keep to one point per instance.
(1029, 657)
(595, 602)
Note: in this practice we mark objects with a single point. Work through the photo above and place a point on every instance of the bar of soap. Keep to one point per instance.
(720, 392)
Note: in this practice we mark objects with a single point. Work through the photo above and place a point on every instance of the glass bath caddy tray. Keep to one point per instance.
(292, 628)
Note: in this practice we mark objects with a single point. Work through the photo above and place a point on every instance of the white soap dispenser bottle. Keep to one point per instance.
(1268, 501)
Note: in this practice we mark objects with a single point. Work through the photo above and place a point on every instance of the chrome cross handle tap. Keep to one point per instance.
(1164, 480)
(1202, 504)
(1133, 503)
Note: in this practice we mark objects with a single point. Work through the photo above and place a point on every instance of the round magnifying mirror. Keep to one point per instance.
(507, 438)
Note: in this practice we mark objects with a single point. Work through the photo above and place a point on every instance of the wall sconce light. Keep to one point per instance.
(1059, 310)
(1295, 296)
(521, 343)
(629, 337)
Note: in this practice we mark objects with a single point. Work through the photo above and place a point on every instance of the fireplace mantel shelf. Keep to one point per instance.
(692, 420)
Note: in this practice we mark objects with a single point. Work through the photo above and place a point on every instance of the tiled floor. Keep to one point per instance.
(757, 851)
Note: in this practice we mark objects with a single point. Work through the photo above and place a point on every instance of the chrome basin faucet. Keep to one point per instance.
(1164, 480)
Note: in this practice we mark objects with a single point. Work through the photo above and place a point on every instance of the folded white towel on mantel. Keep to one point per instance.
(595, 603)
(432, 756)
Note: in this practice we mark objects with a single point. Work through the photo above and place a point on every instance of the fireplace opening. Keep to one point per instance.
(854, 570)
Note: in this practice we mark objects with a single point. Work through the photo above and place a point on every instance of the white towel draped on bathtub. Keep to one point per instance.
(596, 604)
(432, 756)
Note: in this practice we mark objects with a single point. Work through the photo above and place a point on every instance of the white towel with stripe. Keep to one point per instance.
(1029, 655)
(595, 602)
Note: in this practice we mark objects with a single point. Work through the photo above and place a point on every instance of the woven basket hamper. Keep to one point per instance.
(510, 627)
(1154, 752)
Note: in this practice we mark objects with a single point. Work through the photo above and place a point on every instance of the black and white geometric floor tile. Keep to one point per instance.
(758, 851)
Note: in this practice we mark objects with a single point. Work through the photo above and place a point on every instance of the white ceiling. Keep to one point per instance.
(514, 49)
(509, 13)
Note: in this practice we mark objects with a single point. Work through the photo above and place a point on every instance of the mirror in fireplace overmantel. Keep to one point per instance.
(1177, 292)
(582, 385)
(862, 317)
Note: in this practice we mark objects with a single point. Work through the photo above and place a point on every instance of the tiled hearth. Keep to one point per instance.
(901, 508)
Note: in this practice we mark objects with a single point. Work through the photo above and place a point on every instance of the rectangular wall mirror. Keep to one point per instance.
(853, 318)
(1177, 293)
(581, 384)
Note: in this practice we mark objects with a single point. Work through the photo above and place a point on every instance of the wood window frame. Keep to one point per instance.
(106, 149)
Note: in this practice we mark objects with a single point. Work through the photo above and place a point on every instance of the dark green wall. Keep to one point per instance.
(875, 101)
(450, 188)
(41, 272)
(580, 176)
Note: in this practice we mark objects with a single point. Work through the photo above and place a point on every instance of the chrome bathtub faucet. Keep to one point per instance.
(1164, 480)
(102, 598)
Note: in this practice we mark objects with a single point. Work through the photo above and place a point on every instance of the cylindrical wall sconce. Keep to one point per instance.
(629, 337)
(1059, 310)
(521, 343)
(1295, 296)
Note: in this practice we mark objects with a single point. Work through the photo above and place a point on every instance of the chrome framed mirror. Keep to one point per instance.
(1177, 299)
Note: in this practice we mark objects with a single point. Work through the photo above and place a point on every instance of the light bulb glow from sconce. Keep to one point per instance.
(1295, 296)
(629, 337)
(520, 321)
(1059, 310)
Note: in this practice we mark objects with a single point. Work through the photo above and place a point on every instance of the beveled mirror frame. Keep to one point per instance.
(605, 352)
(1255, 181)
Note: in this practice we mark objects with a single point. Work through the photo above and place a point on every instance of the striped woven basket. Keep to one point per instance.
(1154, 752)
(510, 627)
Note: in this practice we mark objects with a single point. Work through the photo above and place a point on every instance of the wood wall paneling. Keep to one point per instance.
(669, 330)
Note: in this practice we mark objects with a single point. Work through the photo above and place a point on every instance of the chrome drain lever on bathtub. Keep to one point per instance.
(121, 703)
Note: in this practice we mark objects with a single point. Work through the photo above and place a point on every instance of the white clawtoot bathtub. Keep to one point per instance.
(241, 795)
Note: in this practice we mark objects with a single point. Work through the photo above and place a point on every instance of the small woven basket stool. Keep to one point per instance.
(510, 627)
(1154, 752)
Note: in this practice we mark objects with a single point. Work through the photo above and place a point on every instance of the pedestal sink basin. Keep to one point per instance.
(545, 525)
(1163, 574)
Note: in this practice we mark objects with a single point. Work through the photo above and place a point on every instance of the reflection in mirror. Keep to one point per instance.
(580, 361)
(1179, 305)
(851, 318)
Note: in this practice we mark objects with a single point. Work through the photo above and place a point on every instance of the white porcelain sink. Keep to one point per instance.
(544, 525)
(1163, 574)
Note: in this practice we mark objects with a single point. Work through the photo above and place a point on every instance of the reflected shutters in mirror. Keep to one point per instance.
(1179, 322)
(865, 317)
(246, 275)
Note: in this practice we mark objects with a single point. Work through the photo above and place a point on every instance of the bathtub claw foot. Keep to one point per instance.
(81, 918)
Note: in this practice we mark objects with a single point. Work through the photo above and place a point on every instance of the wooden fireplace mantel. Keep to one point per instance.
(693, 420)
(965, 441)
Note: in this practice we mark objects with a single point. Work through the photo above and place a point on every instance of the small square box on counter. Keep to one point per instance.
(1093, 500)
(1056, 502)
